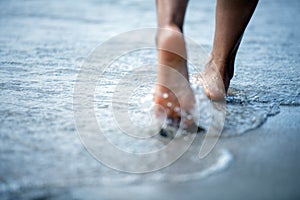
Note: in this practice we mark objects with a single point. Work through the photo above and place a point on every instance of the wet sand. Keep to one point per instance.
(266, 166)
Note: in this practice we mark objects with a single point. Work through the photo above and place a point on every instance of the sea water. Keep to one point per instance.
(42, 49)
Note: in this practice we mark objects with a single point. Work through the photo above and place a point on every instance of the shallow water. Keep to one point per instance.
(42, 48)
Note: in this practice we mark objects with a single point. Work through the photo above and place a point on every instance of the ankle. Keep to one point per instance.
(221, 66)
(224, 64)
(171, 46)
(219, 63)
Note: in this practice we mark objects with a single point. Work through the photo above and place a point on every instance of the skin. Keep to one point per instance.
(232, 18)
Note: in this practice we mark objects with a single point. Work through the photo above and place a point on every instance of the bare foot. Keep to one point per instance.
(215, 79)
(173, 93)
(174, 96)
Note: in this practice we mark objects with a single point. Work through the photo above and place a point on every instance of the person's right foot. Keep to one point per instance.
(173, 94)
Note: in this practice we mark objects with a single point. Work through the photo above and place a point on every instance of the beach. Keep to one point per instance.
(43, 48)
(266, 167)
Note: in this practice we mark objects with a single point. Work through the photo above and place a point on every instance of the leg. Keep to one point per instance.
(232, 17)
(172, 55)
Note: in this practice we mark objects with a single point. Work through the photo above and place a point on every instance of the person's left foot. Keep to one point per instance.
(215, 80)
